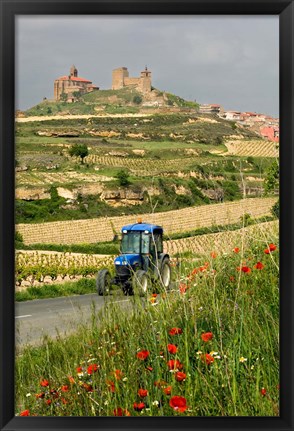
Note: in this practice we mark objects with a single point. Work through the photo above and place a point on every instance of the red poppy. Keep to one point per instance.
(174, 364)
(207, 336)
(183, 287)
(44, 383)
(92, 368)
(213, 254)
(41, 395)
(48, 402)
(65, 388)
(167, 390)
(111, 385)
(175, 331)
(245, 269)
(139, 406)
(236, 250)
(25, 413)
(271, 247)
(202, 268)
(232, 278)
(79, 369)
(154, 295)
(120, 412)
(180, 376)
(193, 273)
(71, 379)
(172, 348)
(263, 392)
(118, 374)
(207, 358)
(142, 393)
(64, 401)
(149, 368)
(143, 354)
(178, 403)
(259, 265)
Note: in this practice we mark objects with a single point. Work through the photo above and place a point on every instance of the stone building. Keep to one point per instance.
(121, 79)
(72, 83)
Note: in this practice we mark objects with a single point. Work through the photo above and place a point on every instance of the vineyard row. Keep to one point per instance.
(182, 220)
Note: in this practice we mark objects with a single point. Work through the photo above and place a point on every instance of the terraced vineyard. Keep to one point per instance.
(225, 242)
(145, 166)
(260, 148)
(104, 228)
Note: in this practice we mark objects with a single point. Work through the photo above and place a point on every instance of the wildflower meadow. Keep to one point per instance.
(208, 347)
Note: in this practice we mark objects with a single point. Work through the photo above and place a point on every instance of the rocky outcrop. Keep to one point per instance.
(214, 194)
(31, 194)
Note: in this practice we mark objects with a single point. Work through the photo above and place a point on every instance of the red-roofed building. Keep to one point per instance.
(272, 133)
(71, 84)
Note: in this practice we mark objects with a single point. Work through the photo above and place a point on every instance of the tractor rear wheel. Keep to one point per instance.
(103, 282)
(165, 273)
(140, 282)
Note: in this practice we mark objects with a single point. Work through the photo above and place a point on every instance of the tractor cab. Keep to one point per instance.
(141, 261)
(141, 244)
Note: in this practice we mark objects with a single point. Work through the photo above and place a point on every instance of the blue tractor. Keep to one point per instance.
(141, 263)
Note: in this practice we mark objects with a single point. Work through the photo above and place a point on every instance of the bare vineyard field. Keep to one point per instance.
(225, 242)
(144, 166)
(260, 148)
(183, 220)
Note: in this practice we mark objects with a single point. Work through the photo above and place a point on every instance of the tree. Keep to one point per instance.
(123, 178)
(77, 94)
(137, 99)
(271, 182)
(79, 150)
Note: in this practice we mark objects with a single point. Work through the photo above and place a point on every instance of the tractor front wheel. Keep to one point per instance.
(103, 282)
(165, 273)
(140, 283)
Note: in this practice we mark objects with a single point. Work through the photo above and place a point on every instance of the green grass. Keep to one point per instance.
(240, 310)
(80, 287)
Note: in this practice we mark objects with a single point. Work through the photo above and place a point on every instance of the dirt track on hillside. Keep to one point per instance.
(77, 117)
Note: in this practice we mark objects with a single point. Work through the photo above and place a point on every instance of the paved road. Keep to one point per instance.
(37, 318)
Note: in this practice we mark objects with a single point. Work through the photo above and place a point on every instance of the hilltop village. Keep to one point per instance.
(70, 87)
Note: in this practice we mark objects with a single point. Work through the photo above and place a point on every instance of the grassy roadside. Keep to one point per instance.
(210, 348)
(80, 287)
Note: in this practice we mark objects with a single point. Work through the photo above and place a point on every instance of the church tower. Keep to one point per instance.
(145, 80)
(73, 71)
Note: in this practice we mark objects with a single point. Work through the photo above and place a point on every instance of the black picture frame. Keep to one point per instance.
(9, 9)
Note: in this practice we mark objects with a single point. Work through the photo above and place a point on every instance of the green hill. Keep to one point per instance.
(126, 100)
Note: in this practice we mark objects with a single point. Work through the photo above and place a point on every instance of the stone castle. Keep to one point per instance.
(69, 86)
(121, 79)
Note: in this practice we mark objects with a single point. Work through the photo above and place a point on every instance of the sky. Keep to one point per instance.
(228, 60)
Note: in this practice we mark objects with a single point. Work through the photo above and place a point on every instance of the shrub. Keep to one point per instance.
(123, 178)
(276, 209)
(137, 100)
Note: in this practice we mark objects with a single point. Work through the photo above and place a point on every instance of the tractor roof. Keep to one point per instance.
(142, 227)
